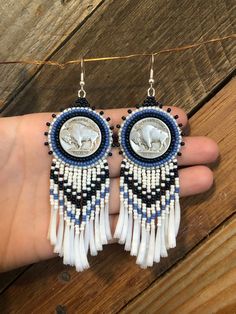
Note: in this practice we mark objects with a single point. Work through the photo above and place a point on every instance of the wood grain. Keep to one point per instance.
(35, 30)
(114, 280)
(121, 28)
(203, 283)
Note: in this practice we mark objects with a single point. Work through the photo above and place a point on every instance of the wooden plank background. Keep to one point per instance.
(121, 28)
(65, 30)
(114, 280)
(35, 30)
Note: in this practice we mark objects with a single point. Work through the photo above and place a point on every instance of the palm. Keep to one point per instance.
(24, 180)
(24, 188)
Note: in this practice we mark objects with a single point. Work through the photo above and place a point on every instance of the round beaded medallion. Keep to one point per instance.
(150, 137)
(80, 137)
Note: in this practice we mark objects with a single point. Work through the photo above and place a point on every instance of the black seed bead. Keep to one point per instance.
(109, 154)
(123, 118)
(182, 143)
(120, 152)
(182, 133)
(93, 108)
(111, 127)
(150, 101)
(54, 115)
(50, 152)
(82, 102)
(46, 143)
(45, 133)
(48, 124)
(179, 154)
(113, 145)
(176, 116)
(118, 126)
(108, 119)
(168, 110)
(101, 113)
(129, 111)
(180, 125)
(137, 106)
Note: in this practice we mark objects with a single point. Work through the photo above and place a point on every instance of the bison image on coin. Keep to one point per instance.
(150, 137)
(80, 136)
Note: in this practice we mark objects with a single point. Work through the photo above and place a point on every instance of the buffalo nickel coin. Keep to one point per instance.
(150, 138)
(80, 136)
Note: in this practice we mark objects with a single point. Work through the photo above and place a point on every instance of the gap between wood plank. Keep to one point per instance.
(14, 277)
(179, 261)
(212, 93)
(63, 43)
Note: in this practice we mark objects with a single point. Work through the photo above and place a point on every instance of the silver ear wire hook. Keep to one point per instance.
(81, 91)
(151, 90)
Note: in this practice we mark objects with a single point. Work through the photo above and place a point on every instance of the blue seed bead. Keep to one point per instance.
(125, 195)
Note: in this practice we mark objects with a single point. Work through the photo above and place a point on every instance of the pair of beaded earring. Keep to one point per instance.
(80, 140)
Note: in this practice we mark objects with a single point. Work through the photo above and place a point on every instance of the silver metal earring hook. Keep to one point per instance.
(151, 90)
(81, 91)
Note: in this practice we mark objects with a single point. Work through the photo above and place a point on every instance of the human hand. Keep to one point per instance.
(24, 181)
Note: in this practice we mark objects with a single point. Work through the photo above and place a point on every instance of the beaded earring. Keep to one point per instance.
(150, 140)
(80, 140)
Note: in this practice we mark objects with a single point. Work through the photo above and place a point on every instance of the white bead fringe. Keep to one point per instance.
(74, 230)
(148, 231)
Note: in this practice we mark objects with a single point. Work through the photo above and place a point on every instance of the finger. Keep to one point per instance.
(117, 114)
(193, 180)
(114, 198)
(113, 222)
(197, 150)
(114, 163)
